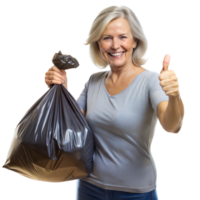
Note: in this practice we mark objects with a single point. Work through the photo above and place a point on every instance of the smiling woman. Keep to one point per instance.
(116, 43)
(99, 33)
(120, 106)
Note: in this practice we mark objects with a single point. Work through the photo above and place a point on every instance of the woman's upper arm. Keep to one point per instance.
(84, 113)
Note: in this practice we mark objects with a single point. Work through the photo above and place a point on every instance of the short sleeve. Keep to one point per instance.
(82, 99)
(156, 93)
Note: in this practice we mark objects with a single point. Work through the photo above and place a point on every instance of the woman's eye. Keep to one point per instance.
(108, 37)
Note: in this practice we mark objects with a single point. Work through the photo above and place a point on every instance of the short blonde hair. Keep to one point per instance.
(100, 23)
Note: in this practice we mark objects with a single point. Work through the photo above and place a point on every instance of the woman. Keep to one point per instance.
(121, 107)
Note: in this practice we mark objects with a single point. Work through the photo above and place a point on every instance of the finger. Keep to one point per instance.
(63, 72)
(67, 82)
(166, 62)
(54, 77)
(59, 72)
(54, 73)
(56, 69)
(54, 81)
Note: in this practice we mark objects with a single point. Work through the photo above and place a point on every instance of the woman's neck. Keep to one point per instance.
(116, 74)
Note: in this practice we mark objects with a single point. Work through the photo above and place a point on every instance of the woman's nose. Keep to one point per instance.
(115, 43)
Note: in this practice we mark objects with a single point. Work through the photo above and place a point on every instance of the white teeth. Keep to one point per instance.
(116, 54)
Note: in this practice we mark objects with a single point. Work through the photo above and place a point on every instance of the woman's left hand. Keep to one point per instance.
(168, 79)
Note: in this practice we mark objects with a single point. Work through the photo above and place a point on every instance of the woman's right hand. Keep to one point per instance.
(56, 76)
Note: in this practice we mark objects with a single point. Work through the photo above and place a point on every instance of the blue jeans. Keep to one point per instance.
(88, 191)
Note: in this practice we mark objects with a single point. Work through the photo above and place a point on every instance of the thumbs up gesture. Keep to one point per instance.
(168, 79)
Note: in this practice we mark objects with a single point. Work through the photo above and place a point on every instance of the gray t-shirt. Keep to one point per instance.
(123, 126)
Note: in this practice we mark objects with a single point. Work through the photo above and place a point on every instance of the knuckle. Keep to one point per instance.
(54, 67)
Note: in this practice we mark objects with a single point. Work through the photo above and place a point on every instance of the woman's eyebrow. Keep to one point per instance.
(111, 35)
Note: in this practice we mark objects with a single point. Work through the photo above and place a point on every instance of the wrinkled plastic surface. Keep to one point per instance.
(53, 141)
(63, 61)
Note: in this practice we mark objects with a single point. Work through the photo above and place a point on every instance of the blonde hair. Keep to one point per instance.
(100, 23)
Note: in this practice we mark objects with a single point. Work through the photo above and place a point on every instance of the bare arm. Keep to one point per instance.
(173, 117)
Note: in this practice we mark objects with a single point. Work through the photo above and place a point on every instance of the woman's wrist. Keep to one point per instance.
(65, 85)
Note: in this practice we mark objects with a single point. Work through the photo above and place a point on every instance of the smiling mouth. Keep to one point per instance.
(116, 55)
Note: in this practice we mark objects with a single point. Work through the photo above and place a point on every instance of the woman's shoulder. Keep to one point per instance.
(98, 75)
(151, 74)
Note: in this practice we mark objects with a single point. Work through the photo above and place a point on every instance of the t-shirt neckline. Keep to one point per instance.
(124, 89)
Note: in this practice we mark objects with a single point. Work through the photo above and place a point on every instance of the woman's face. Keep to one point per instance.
(116, 43)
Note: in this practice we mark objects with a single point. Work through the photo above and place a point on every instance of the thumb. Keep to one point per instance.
(64, 75)
(166, 62)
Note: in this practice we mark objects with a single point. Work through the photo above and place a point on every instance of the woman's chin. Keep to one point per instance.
(118, 64)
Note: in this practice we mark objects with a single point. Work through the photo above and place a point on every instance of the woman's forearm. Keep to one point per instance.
(173, 117)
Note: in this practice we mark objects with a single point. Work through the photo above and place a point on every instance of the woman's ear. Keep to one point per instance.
(135, 43)
(97, 42)
(98, 46)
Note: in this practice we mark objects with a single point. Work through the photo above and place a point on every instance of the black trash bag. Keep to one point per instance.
(63, 61)
(53, 141)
